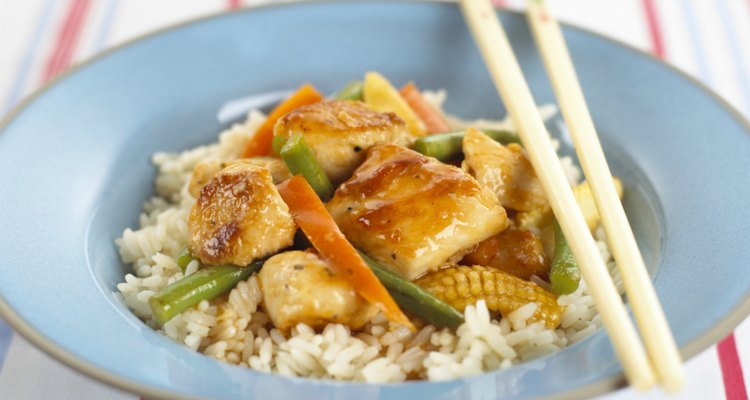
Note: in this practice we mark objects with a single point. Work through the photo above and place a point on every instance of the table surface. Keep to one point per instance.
(41, 38)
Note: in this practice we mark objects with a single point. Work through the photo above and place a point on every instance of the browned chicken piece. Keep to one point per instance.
(205, 170)
(518, 252)
(239, 217)
(504, 170)
(299, 286)
(413, 213)
(340, 132)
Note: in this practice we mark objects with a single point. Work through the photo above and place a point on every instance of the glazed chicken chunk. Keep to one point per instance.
(518, 252)
(204, 171)
(504, 170)
(340, 132)
(299, 286)
(413, 213)
(239, 216)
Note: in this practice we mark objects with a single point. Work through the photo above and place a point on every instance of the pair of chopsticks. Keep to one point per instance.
(662, 364)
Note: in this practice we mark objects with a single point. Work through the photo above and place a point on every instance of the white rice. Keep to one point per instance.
(235, 329)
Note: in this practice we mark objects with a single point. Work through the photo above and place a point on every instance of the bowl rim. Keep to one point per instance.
(617, 381)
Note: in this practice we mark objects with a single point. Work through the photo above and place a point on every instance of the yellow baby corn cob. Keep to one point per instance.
(541, 217)
(461, 285)
(585, 201)
(381, 96)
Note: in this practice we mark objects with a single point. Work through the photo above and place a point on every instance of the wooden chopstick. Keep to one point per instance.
(648, 312)
(515, 93)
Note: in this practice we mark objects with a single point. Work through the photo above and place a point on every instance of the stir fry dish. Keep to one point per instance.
(366, 235)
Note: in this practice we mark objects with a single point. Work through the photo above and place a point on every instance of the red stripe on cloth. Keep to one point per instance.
(731, 369)
(654, 28)
(67, 39)
(234, 4)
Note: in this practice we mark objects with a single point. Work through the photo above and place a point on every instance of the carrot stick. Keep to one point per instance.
(260, 143)
(320, 228)
(433, 120)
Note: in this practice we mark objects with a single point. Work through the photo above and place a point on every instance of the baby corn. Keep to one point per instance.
(461, 285)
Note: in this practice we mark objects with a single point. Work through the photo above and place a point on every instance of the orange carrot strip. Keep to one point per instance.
(320, 228)
(433, 120)
(260, 143)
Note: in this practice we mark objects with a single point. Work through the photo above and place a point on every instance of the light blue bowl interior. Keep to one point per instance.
(75, 168)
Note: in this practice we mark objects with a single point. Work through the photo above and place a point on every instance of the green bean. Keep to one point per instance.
(414, 299)
(205, 284)
(564, 273)
(352, 91)
(184, 259)
(278, 143)
(300, 160)
(449, 146)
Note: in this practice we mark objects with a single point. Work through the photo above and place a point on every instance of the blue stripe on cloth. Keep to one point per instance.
(742, 70)
(6, 334)
(698, 44)
(28, 58)
(105, 25)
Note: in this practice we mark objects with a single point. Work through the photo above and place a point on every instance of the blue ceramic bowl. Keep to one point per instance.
(74, 170)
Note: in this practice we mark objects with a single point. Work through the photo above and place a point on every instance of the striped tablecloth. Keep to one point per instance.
(710, 39)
